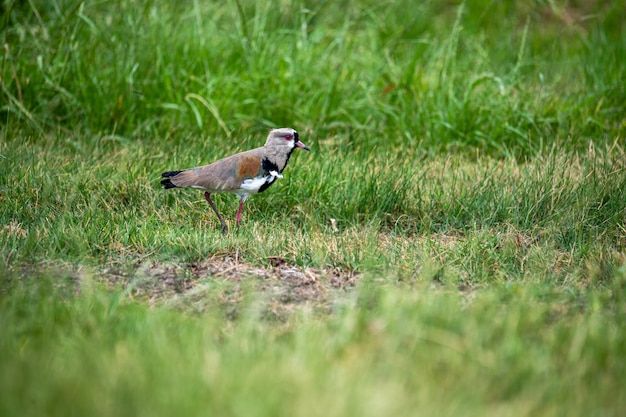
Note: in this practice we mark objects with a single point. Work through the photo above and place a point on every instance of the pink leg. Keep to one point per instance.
(207, 196)
(238, 218)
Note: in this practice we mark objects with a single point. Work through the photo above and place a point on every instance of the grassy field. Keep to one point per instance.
(454, 244)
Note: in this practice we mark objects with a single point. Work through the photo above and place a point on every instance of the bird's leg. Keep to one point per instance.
(238, 218)
(207, 195)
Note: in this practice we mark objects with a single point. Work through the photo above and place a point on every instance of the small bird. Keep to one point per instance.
(245, 173)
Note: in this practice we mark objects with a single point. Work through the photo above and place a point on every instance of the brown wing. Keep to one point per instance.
(223, 175)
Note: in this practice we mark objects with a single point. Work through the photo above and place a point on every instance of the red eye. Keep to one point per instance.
(288, 137)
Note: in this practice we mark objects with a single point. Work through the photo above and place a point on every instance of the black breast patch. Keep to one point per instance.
(269, 166)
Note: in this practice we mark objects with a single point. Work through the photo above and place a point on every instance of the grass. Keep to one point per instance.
(454, 244)
(509, 350)
(364, 72)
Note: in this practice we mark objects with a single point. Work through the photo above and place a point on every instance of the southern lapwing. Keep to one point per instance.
(245, 173)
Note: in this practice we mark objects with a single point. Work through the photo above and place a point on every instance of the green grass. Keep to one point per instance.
(466, 187)
(508, 350)
(369, 73)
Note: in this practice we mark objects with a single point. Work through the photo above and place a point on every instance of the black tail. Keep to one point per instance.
(167, 182)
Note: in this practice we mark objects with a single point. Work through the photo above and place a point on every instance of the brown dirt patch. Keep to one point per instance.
(227, 281)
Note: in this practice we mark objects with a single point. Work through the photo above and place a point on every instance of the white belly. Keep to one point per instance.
(253, 185)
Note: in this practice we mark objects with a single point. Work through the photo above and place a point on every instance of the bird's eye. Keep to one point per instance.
(288, 137)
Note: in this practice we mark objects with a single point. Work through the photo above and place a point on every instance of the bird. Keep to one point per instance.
(243, 174)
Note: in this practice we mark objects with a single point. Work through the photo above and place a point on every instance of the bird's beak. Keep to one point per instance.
(302, 145)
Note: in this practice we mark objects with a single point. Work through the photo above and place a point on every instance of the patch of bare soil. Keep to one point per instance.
(226, 281)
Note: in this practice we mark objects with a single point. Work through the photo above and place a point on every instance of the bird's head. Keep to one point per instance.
(285, 136)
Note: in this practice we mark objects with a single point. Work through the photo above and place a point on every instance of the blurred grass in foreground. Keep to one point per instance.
(508, 350)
